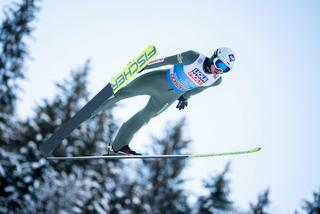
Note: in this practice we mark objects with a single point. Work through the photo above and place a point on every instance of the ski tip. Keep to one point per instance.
(254, 150)
(152, 49)
(257, 149)
(151, 46)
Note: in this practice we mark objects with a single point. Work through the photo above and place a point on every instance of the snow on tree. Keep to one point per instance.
(14, 30)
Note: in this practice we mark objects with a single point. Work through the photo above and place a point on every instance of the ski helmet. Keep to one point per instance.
(223, 59)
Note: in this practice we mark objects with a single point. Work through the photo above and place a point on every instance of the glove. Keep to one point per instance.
(183, 102)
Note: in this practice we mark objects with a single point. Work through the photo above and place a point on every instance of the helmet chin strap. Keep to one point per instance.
(206, 66)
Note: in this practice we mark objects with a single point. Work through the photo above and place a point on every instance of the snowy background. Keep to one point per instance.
(270, 99)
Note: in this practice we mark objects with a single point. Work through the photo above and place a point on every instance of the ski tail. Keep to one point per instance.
(110, 89)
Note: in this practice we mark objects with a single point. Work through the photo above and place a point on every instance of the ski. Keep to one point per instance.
(120, 80)
(116, 157)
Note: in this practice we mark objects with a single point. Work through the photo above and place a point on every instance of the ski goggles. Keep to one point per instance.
(220, 65)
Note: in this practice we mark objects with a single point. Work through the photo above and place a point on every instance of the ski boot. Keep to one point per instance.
(126, 150)
(123, 151)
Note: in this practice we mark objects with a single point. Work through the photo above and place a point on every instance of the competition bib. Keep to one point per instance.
(184, 78)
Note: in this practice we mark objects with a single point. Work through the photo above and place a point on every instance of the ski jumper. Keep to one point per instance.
(186, 78)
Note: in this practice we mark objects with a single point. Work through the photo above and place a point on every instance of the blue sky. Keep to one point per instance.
(270, 99)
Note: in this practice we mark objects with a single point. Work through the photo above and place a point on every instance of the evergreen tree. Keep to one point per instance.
(312, 207)
(29, 183)
(14, 29)
(19, 181)
(88, 181)
(14, 172)
(217, 201)
(262, 204)
(158, 186)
